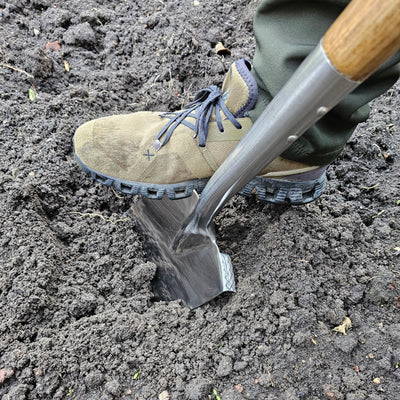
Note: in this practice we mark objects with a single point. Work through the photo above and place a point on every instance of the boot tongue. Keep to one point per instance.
(240, 89)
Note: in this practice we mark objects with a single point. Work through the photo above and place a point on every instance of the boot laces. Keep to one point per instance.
(201, 108)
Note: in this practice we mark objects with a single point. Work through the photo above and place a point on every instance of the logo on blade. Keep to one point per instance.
(148, 155)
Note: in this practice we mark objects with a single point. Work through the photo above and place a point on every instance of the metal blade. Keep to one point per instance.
(196, 274)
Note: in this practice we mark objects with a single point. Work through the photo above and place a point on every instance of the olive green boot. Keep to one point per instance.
(174, 153)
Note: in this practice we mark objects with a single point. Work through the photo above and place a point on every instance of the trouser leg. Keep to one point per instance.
(286, 32)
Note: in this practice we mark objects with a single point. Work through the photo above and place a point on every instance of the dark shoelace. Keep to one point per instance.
(205, 101)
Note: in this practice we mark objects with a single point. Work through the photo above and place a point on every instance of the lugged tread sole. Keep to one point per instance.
(277, 191)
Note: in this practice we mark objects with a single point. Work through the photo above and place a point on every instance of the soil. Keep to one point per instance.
(78, 320)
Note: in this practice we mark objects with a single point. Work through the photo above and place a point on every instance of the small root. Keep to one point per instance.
(100, 216)
(8, 66)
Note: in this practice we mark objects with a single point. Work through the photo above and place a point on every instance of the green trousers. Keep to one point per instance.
(286, 31)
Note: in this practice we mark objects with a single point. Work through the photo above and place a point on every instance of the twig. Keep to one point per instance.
(379, 213)
(369, 187)
(17, 69)
(380, 151)
(270, 378)
(116, 194)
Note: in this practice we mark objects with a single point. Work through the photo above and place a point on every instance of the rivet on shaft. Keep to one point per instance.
(292, 138)
(322, 111)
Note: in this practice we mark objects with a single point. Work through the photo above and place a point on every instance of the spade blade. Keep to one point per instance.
(196, 274)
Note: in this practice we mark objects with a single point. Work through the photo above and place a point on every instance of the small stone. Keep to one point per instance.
(6, 373)
(239, 388)
(164, 395)
(36, 32)
(377, 381)
(196, 3)
(53, 45)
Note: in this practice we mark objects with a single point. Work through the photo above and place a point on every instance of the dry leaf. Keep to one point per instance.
(345, 325)
(53, 45)
(66, 65)
(221, 49)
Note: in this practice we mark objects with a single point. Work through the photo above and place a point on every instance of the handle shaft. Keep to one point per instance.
(363, 37)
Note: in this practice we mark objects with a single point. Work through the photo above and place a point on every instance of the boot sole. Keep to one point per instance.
(277, 191)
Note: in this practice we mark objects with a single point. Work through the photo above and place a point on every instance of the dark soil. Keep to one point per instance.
(77, 319)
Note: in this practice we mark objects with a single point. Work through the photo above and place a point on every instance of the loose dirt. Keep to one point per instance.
(77, 318)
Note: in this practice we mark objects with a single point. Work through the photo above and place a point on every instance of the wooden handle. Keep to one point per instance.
(363, 37)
